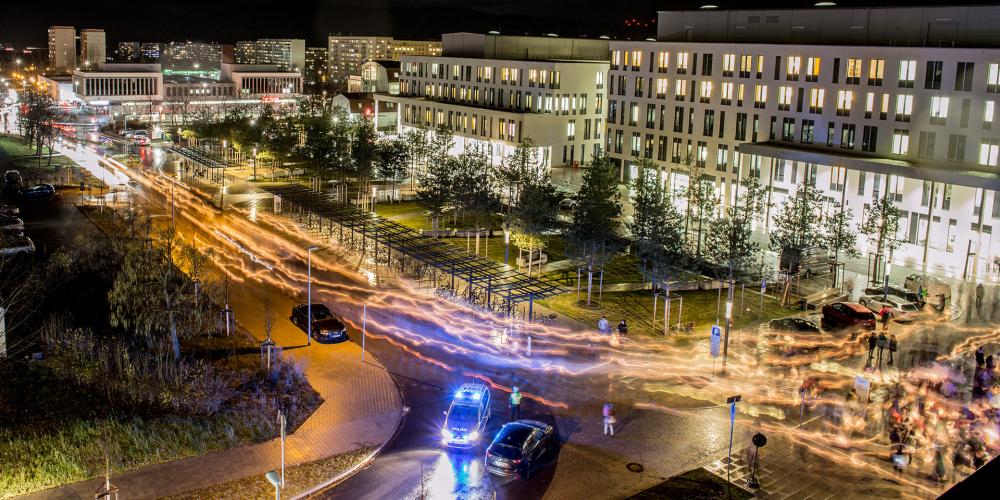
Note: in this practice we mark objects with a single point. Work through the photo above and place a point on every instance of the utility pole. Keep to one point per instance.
(729, 324)
(309, 306)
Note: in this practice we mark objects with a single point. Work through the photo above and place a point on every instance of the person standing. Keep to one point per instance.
(980, 356)
(602, 325)
(892, 347)
(871, 348)
(609, 419)
(980, 291)
(515, 403)
(623, 328)
(885, 314)
(881, 344)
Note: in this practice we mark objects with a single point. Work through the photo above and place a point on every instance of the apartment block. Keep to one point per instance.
(315, 73)
(346, 54)
(860, 103)
(495, 103)
(288, 54)
(93, 47)
(62, 49)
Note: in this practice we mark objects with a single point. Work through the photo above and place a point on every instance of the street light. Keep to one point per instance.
(309, 305)
(374, 192)
(506, 245)
(885, 284)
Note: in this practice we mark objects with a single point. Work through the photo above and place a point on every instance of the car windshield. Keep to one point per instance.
(463, 415)
(513, 436)
(321, 313)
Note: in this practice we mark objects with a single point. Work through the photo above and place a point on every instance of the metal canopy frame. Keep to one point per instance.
(201, 156)
(446, 258)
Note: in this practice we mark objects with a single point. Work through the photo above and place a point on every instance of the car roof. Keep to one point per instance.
(473, 387)
(854, 306)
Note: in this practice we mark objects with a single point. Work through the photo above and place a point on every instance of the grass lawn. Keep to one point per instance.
(390, 209)
(637, 308)
(53, 430)
(697, 484)
(297, 479)
(15, 147)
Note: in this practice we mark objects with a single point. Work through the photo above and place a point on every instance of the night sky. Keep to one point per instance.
(24, 22)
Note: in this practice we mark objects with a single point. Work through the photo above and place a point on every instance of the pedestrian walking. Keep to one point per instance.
(623, 328)
(515, 403)
(872, 341)
(980, 291)
(602, 325)
(893, 345)
(980, 356)
(881, 343)
(884, 315)
(609, 419)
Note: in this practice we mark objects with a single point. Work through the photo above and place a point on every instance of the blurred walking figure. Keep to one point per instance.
(602, 325)
(871, 348)
(885, 314)
(882, 344)
(515, 403)
(609, 419)
(980, 291)
(893, 345)
(623, 328)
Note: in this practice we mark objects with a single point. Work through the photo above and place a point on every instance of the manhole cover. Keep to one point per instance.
(634, 467)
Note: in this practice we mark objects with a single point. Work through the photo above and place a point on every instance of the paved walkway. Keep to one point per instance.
(362, 406)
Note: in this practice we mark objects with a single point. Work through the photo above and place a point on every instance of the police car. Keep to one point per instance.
(466, 418)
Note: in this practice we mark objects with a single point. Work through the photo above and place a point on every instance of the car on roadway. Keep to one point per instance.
(520, 448)
(140, 140)
(848, 314)
(467, 416)
(11, 223)
(903, 310)
(793, 324)
(16, 245)
(898, 291)
(39, 192)
(325, 326)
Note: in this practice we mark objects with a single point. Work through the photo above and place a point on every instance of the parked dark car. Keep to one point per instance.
(847, 314)
(39, 192)
(520, 448)
(11, 223)
(325, 326)
(794, 324)
(9, 210)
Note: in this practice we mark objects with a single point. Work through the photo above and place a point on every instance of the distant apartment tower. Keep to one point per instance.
(62, 49)
(127, 52)
(315, 73)
(204, 59)
(348, 53)
(400, 48)
(93, 47)
(151, 52)
(288, 54)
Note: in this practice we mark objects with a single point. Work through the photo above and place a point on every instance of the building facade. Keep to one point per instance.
(93, 47)
(151, 52)
(127, 52)
(287, 54)
(495, 104)
(62, 49)
(803, 96)
(193, 58)
(346, 54)
(315, 74)
(400, 48)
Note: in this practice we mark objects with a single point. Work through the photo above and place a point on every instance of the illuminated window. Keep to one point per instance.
(844, 100)
(988, 152)
(746, 65)
(907, 72)
(900, 141)
(812, 69)
(727, 93)
(680, 89)
(760, 66)
(682, 62)
(706, 91)
(760, 96)
(939, 110)
(571, 130)
(662, 61)
(661, 88)
(993, 78)
(616, 59)
(869, 104)
(740, 92)
(599, 80)
(876, 70)
(728, 64)
(793, 67)
(854, 68)
(989, 109)
(904, 107)
(784, 98)
(816, 97)
(884, 109)
(636, 59)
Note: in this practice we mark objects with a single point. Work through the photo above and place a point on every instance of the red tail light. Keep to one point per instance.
(516, 461)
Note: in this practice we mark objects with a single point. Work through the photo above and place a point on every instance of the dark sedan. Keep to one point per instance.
(325, 327)
(520, 448)
(793, 324)
(40, 192)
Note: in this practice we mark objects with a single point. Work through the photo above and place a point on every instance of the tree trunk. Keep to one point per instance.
(175, 342)
(590, 282)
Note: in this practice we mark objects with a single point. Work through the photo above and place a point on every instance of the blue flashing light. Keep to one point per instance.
(476, 396)
(460, 394)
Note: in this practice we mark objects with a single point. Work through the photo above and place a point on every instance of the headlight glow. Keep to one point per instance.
(445, 433)
(474, 435)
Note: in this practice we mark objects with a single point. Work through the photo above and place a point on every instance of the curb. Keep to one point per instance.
(364, 464)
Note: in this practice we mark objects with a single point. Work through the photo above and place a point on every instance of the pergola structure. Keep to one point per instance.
(490, 284)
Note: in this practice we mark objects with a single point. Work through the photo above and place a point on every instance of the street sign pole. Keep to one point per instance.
(731, 401)
(364, 329)
(713, 345)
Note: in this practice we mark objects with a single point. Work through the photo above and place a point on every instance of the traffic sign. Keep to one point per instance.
(763, 285)
(716, 339)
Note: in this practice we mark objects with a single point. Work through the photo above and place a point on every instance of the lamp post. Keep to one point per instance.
(374, 192)
(506, 245)
(309, 305)
(729, 324)
(254, 163)
(885, 284)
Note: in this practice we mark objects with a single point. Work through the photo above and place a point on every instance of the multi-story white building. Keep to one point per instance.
(288, 54)
(315, 72)
(62, 49)
(550, 89)
(861, 103)
(347, 53)
(93, 47)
